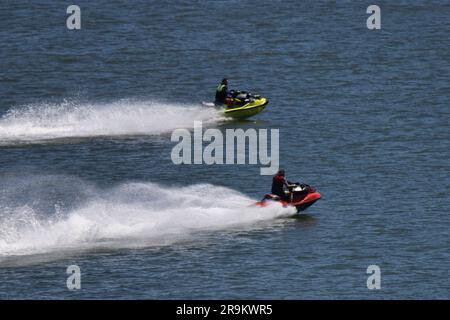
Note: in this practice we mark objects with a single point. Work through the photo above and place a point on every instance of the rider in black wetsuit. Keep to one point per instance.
(221, 92)
(278, 183)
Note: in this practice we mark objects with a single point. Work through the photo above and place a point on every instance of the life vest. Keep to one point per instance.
(221, 93)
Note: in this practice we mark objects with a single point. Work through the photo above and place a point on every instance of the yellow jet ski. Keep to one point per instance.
(241, 104)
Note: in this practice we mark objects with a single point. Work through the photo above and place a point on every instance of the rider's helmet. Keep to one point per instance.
(225, 81)
(281, 172)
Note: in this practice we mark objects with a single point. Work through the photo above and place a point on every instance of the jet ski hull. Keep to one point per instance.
(300, 200)
(309, 200)
(247, 110)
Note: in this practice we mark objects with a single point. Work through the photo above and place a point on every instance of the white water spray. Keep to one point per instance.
(36, 123)
(130, 215)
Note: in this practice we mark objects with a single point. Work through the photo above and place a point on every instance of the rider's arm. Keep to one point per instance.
(289, 183)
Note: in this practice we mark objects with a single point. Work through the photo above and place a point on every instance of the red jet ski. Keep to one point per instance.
(300, 196)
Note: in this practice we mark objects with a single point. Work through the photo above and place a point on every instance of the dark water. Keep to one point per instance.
(86, 176)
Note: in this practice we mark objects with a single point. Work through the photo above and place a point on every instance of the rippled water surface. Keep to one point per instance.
(86, 176)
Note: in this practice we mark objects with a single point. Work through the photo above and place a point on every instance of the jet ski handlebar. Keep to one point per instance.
(300, 187)
(235, 93)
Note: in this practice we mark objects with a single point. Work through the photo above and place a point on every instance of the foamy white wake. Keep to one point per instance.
(132, 214)
(53, 121)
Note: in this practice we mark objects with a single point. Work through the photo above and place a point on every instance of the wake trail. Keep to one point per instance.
(129, 215)
(43, 122)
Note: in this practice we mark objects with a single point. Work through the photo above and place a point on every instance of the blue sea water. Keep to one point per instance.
(86, 177)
